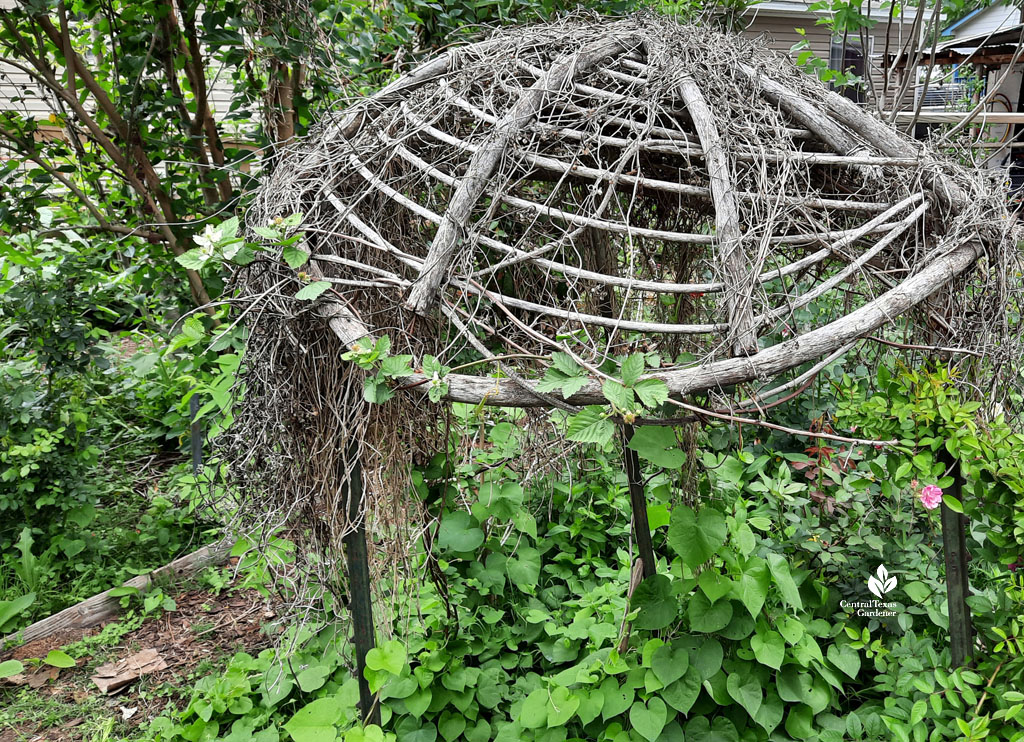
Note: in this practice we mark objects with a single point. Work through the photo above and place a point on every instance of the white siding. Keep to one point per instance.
(993, 18)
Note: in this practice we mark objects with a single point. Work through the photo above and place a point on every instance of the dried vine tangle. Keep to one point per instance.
(594, 187)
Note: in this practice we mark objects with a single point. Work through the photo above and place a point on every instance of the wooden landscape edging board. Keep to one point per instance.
(100, 607)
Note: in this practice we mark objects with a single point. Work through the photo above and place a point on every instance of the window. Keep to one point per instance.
(851, 61)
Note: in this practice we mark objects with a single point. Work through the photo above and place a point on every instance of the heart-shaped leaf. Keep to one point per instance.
(459, 532)
(845, 658)
(770, 714)
(389, 656)
(616, 698)
(682, 694)
(745, 689)
(696, 537)
(451, 725)
(752, 587)
(591, 703)
(313, 677)
(768, 647)
(669, 664)
(417, 703)
(562, 704)
(708, 658)
(649, 720)
(714, 585)
(657, 605)
(534, 712)
(707, 617)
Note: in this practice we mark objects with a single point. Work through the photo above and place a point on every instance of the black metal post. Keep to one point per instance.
(954, 551)
(196, 435)
(360, 601)
(638, 504)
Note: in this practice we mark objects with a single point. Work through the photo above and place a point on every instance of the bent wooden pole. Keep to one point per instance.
(739, 279)
(767, 363)
(360, 600)
(104, 606)
(483, 164)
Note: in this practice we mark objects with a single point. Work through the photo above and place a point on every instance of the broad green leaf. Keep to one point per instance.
(708, 658)
(779, 568)
(707, 617)
(294, 257)
(657, 444)
(562, 705)
(591, 703)
(524, 568)
(696, 537)
(800, 723)
(312, 290)
(10, 668)
(632, 367)
(768, 647)
(11, 609)
(315, 721)
(389, 656)
(418, 702)
(534, 712)
(313, 677)
(752, 587)
(770, 714)
(700, 729)
(616, 698)
(57, 658)
(682, 694)
(846, 658)
(451, 725)
(590, 425)
(649, 720)
(651, 392)
(745, 689)
(790, 628)
(658, 607)
(459, 532)
(617, 395)
(669, 663)
(715, 585)
(917, 591)
(193, 259)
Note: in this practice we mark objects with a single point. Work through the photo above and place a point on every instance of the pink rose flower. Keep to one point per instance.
(931, 496)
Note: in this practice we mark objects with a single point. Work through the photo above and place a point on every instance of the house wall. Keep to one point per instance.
(993, 18)
(779, 32)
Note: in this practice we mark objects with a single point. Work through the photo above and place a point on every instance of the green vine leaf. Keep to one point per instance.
(590, 425)
(312, 291)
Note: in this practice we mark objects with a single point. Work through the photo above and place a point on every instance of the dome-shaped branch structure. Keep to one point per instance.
(607, 179)
(591, 187)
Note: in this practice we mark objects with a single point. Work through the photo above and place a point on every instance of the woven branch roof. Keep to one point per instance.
(588, 183)
(592, 187)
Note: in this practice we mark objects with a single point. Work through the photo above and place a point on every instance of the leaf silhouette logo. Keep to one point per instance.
(881, 583)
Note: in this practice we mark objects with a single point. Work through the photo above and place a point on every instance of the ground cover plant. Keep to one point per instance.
(532, 627)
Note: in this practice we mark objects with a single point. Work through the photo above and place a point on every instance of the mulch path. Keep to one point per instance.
(203, 628)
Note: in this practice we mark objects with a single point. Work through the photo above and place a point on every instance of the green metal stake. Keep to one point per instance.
(954, 551)
(360, 601)
(638, 503)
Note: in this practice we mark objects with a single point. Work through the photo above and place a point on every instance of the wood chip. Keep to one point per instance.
(116, 675)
